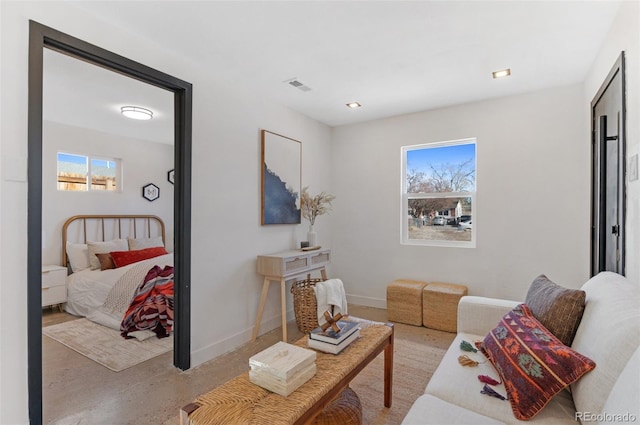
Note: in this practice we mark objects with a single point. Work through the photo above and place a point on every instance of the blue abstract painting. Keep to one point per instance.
(281, 181)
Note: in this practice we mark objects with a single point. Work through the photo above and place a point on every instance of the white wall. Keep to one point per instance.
(142, 162)
(531, 211)
(624, 35)
(226, 235)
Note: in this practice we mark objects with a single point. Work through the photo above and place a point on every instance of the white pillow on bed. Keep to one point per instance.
(136, 244)
(78, 256)
(104, 248)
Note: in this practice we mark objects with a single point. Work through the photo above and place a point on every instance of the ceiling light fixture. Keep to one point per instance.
(136, 113)
(501, 73)
(353, 105)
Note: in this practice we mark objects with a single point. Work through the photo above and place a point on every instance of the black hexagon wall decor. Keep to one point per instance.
(150, 192)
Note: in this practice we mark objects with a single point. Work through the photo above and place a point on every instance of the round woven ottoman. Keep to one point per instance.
(344, 410)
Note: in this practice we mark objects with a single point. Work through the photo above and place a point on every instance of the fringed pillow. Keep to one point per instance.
(533, 363)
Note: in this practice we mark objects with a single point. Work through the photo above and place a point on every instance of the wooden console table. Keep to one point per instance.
(286, 265)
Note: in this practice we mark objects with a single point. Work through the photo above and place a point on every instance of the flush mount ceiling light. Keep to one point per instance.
(353, 105)
(501, 73)
(136, 113)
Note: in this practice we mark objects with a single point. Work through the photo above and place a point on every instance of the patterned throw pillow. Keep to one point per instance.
(533, 363)
(558, 309)
(124, 258)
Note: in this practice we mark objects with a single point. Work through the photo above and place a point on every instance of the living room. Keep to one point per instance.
(533, 196)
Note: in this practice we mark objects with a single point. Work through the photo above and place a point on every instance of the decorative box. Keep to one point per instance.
(282, 368)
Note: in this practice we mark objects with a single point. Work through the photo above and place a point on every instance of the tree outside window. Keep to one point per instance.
(439, 189)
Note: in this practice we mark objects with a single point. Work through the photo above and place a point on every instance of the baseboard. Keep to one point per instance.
(366, 301)
(232, 342)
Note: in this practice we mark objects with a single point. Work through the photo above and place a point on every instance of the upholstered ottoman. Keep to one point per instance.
(440, 305)
(404, 301)
(346, 409)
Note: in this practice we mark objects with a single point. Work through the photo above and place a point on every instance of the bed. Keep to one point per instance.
(108, 257)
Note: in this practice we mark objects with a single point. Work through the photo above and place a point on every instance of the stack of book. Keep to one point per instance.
(334, 342)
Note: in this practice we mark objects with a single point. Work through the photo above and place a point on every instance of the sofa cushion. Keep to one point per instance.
(609, 333)
(558, 309)
(533, 363)
(430, 410)
(459, 385)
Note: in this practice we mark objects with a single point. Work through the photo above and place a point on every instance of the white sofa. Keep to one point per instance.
(609, 334)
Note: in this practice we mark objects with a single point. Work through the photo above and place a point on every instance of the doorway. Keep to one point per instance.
(608, 124)
(41, 37)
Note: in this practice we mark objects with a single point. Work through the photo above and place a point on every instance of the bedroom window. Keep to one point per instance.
(88, 173)
(438, 194)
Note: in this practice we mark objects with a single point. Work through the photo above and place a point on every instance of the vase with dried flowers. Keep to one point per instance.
(311, 207)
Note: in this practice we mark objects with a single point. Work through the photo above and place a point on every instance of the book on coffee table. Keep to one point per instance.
(346, 329)
(331, 348)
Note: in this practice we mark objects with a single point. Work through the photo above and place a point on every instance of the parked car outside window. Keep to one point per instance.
(465, 225)
(439, 221)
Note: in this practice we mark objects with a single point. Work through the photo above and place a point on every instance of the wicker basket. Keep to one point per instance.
(305, 305)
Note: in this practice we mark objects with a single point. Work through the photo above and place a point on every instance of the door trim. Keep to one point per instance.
(597, 200)
(41, 37)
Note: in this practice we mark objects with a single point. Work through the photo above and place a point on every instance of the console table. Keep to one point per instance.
(282, 266)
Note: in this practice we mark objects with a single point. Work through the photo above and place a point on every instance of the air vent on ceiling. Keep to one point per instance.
(298, 84)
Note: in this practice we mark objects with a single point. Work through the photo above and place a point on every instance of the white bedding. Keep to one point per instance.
(87, 290)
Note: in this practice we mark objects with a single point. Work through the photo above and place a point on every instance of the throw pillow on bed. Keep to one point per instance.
(103, 248)
(533, 363)
(558, 309)
(78, 256)
(123, 258)
(136, 244)
(106, 262)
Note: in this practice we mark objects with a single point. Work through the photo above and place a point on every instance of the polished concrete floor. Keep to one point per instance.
(76, 390)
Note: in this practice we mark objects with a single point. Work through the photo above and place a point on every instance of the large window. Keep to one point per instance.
(84, 173)
(438, 194)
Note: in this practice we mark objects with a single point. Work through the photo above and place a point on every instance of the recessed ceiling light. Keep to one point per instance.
(501, 73)
(353, 105)
(136, 112)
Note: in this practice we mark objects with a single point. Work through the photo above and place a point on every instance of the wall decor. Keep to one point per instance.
(281, 179)
(171, 176)
(150, 192)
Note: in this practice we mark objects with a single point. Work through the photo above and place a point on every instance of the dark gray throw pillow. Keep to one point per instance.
(558, 309)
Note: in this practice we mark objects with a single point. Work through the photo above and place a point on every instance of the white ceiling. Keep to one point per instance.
(394, 57)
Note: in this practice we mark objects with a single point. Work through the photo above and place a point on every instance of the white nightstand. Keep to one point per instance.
(54, 285)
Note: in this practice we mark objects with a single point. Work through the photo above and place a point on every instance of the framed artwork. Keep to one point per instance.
(150, 192)
(171, 176)
(281, 179)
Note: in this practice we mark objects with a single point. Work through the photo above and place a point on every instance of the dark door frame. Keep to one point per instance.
(41, 37)
(598, 226)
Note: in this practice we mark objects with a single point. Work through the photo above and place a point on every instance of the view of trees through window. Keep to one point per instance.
(439, 192)
(82, 173)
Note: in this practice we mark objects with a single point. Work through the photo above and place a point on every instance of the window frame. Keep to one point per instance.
(89, 177)
(405, 197)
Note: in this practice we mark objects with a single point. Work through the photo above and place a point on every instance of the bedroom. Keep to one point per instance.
(226, 122)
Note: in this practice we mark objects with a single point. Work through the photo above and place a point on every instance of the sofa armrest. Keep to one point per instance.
(478, 315)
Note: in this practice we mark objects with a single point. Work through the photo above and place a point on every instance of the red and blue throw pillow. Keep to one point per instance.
(533, 363)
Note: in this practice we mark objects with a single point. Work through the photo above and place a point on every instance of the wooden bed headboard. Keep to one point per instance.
(111, 226)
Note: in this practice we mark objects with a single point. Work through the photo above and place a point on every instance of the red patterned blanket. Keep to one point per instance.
(152, 304)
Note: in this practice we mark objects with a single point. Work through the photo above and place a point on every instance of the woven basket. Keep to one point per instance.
(305, 305)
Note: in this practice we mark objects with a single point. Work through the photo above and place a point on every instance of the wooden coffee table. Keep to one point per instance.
(240, 401)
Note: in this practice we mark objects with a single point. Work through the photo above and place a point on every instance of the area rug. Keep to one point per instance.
(105, 346)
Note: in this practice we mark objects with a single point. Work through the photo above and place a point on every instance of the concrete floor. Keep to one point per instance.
(76, 390)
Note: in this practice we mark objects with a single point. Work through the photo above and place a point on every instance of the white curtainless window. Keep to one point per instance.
(88, 173)
(438, 194)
